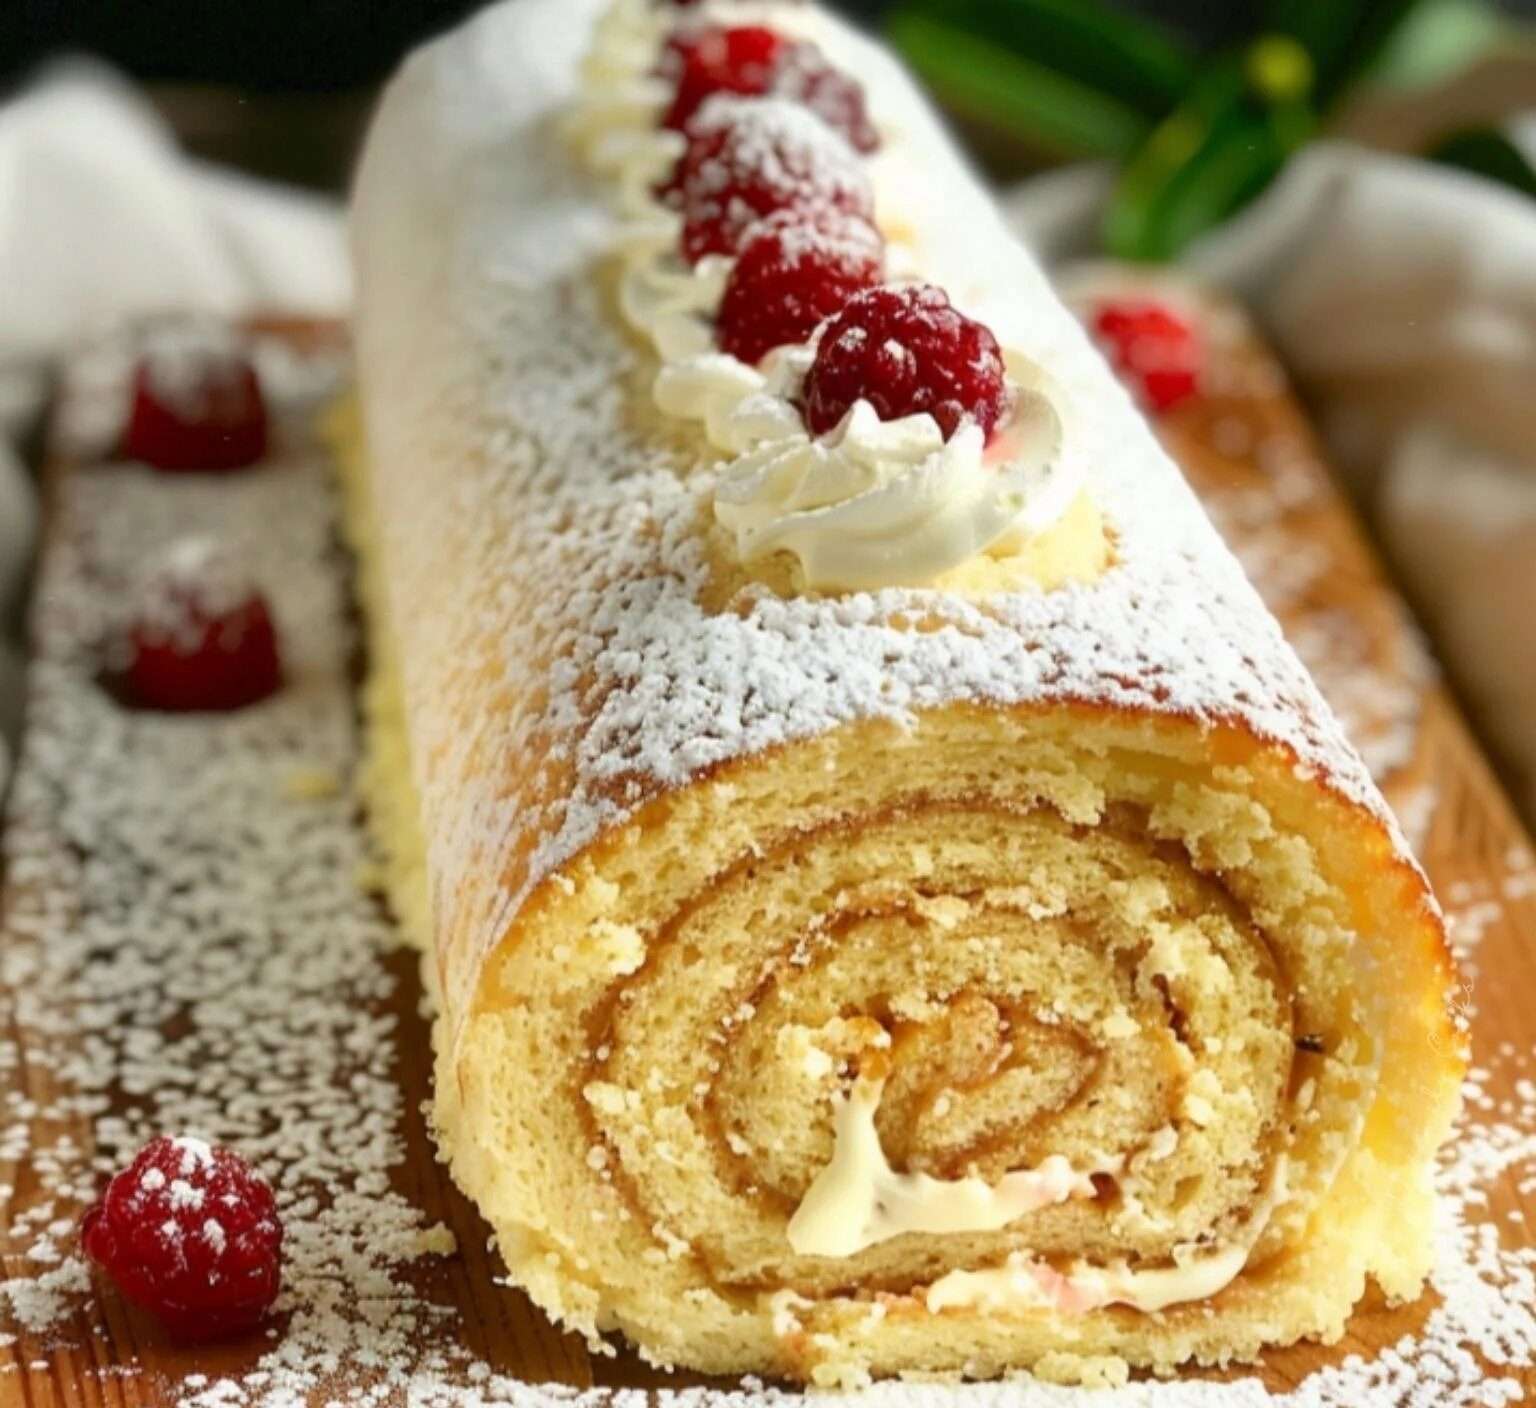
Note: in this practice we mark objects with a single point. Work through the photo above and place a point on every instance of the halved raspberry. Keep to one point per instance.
(202, 637)
(742, 59)
(190, 1233)
(197, 403)
(1156, 353)
(906, 350)
(750, 158)
(837, 98)
(795, 269)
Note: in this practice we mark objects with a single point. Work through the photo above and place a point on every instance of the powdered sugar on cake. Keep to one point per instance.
(495, 365)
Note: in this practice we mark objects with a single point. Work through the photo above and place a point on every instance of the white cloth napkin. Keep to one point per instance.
(1402, 298)
(103, 219)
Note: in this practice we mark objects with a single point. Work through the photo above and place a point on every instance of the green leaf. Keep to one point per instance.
(1218, 150)
(1072, 75)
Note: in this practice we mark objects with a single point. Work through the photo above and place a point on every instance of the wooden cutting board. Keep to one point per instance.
(1250, 455)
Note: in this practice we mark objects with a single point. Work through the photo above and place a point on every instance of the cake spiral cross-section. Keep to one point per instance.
(895, 904)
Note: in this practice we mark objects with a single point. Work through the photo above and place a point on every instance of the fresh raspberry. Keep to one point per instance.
(202, 637)
(906, 350)
(743, 60)
(1156, 352)
(837, 98)
(197, 403)
(191, 1234)
(750, 158)
(750, 61)
(795, 269)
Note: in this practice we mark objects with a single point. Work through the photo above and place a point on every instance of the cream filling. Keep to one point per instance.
(868, 505)
(1024, 1284)
(858, 1200)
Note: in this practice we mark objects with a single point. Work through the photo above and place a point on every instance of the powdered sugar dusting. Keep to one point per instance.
(1262, 483)
(186, 948)
(550, 481)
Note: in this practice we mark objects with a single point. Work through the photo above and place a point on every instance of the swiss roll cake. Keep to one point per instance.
(894, 903)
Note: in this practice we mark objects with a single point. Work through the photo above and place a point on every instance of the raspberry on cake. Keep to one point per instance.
(906, 350)
(191, 1234)
(749, 158)
(805, 75)
(754, 61)
(795, 269)
(197, 402)
(1155, 351)
(702, 62)
(201, 638)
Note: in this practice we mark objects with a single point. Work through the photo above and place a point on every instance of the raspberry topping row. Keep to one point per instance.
(771, 176)
(768, 181)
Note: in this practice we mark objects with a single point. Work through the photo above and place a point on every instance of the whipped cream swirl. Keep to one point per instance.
(875, 503)
(870, 504)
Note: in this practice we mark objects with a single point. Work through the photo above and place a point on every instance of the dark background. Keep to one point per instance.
(284, 88)
(326, 45)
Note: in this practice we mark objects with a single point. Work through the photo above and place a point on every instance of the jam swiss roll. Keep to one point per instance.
(893, 901)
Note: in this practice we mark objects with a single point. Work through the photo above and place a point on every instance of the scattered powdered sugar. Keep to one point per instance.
(187, 948)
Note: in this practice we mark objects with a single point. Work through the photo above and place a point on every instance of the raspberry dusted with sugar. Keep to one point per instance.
(906, 350)
(743, 60)
(201, 638)
(795, 269)
(747, 159)
(191, 1234)
(749, 61)
(805, 76)
(1154, 351)
(197, 403)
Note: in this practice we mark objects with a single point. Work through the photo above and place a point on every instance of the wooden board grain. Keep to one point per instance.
(1249, 453)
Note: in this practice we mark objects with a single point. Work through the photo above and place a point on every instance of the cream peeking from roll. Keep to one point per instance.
(895, 902)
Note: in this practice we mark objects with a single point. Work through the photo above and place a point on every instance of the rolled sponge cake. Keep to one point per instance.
(915, 980)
